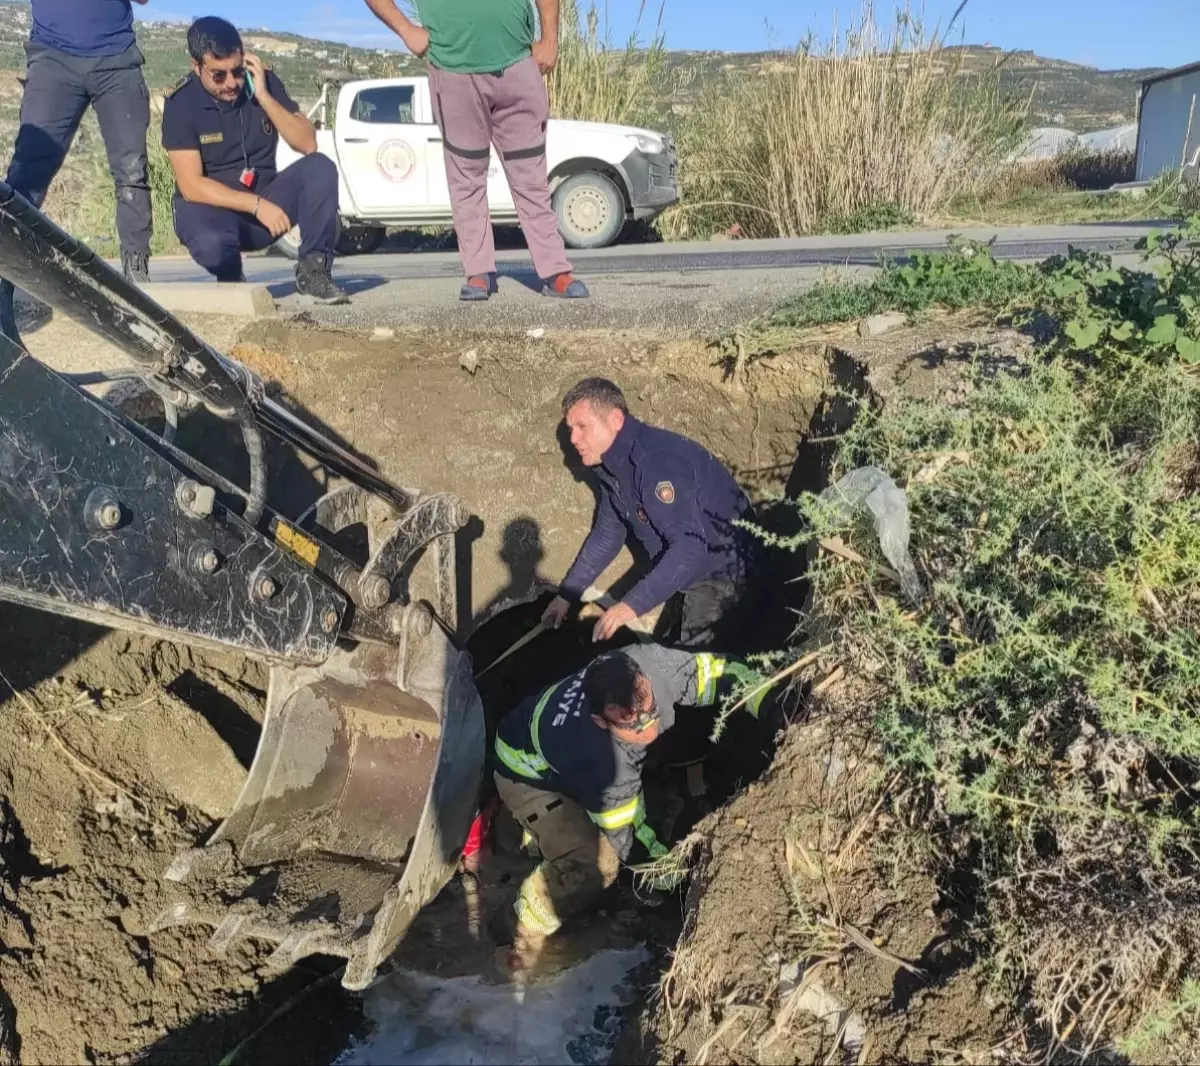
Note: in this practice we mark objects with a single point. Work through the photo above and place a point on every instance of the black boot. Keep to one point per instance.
(8, 313)
(313, 279)
(136, 266)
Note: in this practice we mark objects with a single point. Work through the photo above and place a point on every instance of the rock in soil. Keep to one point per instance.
(877, 325)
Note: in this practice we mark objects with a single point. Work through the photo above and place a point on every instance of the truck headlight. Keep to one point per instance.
(646, 143)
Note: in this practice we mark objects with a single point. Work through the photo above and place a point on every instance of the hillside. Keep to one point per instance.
(1062, 94)
(1078, 97)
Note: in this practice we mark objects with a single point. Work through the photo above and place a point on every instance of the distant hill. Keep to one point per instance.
(1067, 94)
(1061, 93)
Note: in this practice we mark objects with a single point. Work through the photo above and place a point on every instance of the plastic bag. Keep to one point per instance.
(870, 487)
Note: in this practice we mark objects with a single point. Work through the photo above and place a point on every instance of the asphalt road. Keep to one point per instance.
(681, 287)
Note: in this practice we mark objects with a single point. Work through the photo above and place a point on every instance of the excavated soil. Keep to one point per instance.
(806, 940)
(117, 751)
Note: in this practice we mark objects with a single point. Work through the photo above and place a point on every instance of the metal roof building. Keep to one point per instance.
(1168, 121)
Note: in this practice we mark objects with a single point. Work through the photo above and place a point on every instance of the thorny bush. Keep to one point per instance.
(1044, 701)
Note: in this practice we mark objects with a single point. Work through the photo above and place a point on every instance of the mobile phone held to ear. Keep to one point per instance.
(249, 85)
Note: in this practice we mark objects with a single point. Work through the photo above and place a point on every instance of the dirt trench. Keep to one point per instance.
(116, 751)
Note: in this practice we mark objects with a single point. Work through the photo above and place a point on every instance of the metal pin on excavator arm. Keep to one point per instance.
(364, 783)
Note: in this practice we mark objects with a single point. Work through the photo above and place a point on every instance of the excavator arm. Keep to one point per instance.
(365, 779)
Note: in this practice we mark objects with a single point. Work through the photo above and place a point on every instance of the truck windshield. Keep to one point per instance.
(384, 104)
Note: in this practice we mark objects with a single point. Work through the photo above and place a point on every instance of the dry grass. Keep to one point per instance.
(596, 82)
(881, 120)
(1069, 172)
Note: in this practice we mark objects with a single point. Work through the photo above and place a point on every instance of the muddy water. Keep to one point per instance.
(574, 1017)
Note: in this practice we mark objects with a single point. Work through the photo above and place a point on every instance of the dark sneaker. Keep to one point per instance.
(313, 279)
(239, 280)
(478, 287)
(136, 266)
(8, 313)
(565, 287)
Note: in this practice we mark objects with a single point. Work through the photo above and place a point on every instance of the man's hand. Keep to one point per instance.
(416, 40)
(545, 53)
(256, 70)
(273, 217)
(552, 616)
(611, 620)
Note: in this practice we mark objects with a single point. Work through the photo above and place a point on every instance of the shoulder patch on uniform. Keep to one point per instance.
(176, 87)
(665, 491)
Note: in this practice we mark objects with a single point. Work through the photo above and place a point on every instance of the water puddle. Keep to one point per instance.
(574, 1018)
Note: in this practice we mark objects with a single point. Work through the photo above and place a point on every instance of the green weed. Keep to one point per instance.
(1119, 316)
(1162, 1023)
(966, 275)
(877, 215)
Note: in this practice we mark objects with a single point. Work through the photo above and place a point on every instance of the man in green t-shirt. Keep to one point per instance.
(485, 75)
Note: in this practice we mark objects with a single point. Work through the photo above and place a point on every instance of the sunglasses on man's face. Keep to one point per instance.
(645, 720)
(219, 76)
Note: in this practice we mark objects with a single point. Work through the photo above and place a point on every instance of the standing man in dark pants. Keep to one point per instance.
(221, 128)
(485, 74)
(679, 503)
(82, 53)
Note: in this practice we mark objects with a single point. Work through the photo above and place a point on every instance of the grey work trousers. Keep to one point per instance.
(58, 89)
(578, 862)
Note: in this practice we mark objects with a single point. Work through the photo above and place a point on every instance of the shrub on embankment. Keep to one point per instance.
(1042, 705)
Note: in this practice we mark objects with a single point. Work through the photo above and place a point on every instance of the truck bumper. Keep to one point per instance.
(653, 181)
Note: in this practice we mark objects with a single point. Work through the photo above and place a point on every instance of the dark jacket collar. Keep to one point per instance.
(621, 449)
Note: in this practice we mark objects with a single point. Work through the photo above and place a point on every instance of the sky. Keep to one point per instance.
(1109, 34)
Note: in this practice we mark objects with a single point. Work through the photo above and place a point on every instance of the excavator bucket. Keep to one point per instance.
(355, 808)
(367, 773)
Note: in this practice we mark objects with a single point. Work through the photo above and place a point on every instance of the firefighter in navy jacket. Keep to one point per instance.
(569, 767)
(677, 500)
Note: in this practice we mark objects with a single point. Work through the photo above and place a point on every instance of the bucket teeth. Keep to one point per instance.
(213, 859)
(177, 914)
(227, 932)
(294, 946)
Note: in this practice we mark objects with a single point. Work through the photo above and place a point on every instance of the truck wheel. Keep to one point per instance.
(289, 244)
(359, 240)
(590, 210)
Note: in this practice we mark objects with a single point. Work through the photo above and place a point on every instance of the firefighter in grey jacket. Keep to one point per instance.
(569, 768)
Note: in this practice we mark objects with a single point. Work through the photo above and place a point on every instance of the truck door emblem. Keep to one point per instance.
(396, 160)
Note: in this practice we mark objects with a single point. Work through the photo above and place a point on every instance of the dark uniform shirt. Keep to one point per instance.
(229, 137)
(88, 28)
(678, 501)
(551, 742)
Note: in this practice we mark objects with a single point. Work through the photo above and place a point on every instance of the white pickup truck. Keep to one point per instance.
(388, 152)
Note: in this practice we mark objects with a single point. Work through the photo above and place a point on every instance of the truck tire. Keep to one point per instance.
(359, 240)
(591, 210)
